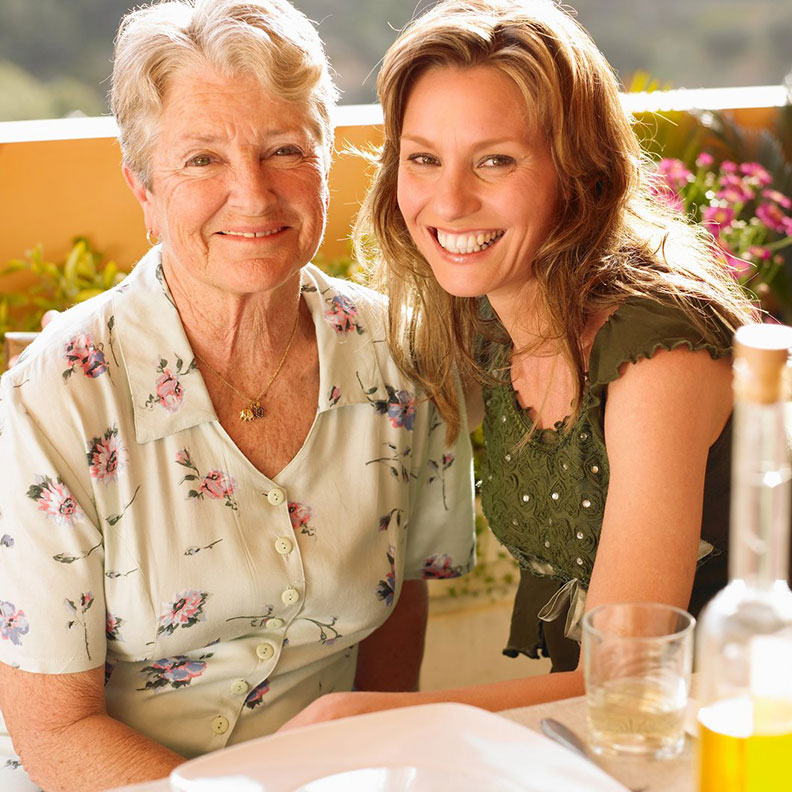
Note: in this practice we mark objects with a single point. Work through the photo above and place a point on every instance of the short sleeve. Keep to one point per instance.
(441, 536)
(52, 614)
(641, 326)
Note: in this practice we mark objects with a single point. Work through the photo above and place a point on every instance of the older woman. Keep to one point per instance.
(220, 478)
(514, 216)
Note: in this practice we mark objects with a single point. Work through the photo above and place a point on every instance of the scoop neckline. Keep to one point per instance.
(560, 427)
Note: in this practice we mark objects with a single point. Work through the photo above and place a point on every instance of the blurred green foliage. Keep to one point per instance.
(56, 285)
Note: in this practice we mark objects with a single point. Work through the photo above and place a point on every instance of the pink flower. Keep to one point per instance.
(335, 395)
(739, 267)
(674, 173)
(778, 197)
(755, 171)
(217, 484)
(734, 190)
(716, 216)
(759, 253)
(183, 457)
(170, 391)
(772, 216)
(735, 195)
(342, 315)
(300, 516)
(55, 500)
(112, 626)
(439, 566)
(727, 166)
(106, 456)
(704, 160)
(81, 350)
(185, 610)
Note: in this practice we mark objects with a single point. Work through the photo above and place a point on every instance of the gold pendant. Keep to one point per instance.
(250, 413)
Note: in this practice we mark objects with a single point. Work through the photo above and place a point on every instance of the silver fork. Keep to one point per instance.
(563, 735)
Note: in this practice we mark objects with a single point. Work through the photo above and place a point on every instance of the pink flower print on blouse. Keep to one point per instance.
(334, 395)
(185, 610)
(300, 516)
(176, 672)
(342, 316)
(55, 500)
(106, 456)
(112, 626)
(255, 696)
(386, 588)
(13, 624)
(82, 351)
(169, 390)
(215, 485)
(439, 566)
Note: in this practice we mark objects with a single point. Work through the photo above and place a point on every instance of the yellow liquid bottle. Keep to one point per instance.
(744, 640)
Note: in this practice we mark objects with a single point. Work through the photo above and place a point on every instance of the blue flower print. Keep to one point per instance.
(256, 695)
(13, 624)
(178, 671)
(399, 406)
(6, 541)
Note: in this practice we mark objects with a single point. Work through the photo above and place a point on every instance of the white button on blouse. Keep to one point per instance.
(276, 496)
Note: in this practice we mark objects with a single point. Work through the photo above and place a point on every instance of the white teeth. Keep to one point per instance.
(252, 234)
(468, 243)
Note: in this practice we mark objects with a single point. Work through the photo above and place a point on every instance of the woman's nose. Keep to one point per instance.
(456, 194)
(252, 191)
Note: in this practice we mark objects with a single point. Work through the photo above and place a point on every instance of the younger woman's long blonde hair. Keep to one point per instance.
(612, 236)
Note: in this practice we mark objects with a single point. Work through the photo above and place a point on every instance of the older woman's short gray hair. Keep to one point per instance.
(268, 39)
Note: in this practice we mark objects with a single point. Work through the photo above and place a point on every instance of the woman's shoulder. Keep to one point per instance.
(641, 326)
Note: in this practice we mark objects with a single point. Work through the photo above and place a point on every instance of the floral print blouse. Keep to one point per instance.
(135, 534)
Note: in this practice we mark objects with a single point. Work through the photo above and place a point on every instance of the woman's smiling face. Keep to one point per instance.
(239, 183)
(477, 187)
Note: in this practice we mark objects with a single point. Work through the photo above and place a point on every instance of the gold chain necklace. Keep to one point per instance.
(254, 409)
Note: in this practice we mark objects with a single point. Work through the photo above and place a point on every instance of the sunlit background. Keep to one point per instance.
(55, 54)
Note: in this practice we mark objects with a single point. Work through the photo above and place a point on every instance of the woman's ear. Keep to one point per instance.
(144, 197)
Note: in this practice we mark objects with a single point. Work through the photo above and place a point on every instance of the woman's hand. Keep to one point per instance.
(333, 706)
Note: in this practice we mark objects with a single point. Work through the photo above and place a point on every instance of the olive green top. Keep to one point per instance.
(544, 497)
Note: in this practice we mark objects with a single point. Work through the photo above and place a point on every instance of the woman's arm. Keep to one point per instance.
(661, 418)
(66, 740)
(390, 658)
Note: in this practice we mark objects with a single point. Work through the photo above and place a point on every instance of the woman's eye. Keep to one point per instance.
(422, 159)
(288, 151)
(200, 161)
(497, 161)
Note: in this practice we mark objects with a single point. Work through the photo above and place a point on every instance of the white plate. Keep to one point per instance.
(409, 779)
(447, 740)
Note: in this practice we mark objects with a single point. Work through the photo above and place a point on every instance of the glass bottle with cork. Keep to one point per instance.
(745, 632)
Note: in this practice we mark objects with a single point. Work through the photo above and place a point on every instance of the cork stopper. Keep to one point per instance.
(761, 352)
